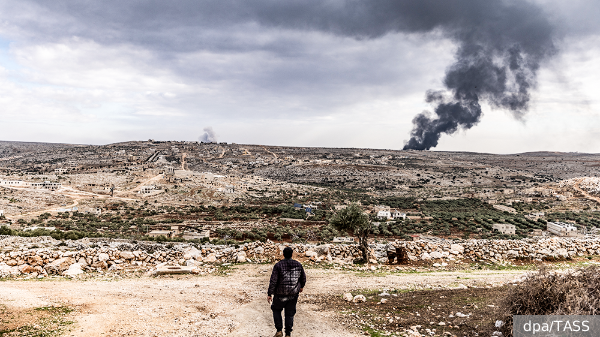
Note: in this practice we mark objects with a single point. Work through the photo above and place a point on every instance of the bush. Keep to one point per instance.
(547, 293)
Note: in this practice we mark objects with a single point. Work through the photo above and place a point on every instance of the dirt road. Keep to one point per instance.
(233, 305)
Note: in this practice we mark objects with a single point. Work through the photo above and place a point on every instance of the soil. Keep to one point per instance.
(435, 310)
(229, 305)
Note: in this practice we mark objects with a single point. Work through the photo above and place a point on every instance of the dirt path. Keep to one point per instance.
(139, 187)
(188, 305)
(585, 194)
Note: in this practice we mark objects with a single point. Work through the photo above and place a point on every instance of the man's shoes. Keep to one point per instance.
(279, 334)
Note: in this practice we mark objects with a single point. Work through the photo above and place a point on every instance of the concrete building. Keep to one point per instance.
(384, 214)
(47, 185)
(504, 228)
(147, 189)
(535, 215)
(12, 183)
(343, 239)
(396, 214)
(561, 229)
(191, 235)
(157, 233)
(505, 209)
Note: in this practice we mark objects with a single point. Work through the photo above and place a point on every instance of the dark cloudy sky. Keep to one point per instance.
(305, 73)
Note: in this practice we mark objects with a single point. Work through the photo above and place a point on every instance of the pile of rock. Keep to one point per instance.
(42, 256)
(502, 250)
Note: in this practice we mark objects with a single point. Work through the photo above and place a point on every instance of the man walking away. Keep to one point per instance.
(287, 281)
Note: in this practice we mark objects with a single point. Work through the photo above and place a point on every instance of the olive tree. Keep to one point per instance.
(353, 218)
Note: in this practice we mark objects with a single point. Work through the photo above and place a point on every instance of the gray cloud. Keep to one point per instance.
(273, 58)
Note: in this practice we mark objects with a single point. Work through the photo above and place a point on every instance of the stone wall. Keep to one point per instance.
(41, 256)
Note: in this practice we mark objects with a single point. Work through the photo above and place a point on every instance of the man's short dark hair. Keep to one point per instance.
(287, 252)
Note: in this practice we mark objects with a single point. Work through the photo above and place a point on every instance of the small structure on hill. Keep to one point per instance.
(562, 229)
(504, 228)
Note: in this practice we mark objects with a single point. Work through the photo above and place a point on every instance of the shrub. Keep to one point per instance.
(547, 293)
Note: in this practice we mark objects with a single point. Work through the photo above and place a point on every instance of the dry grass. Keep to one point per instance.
(549, 293)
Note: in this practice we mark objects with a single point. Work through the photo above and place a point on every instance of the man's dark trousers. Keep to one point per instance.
(290, 310)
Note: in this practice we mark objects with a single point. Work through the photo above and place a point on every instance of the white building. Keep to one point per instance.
(504, 228)
(396, 214)
(157, 233)
(562, 229)
(12, 183)
(384, 214)
(46, 185)
(147, 189)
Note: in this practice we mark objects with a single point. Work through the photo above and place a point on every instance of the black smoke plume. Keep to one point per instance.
(497, 65)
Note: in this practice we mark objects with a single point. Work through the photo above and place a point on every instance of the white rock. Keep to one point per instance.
(359, 299)
(425, 256)
(103, 257)
(6, 270)
(192, 253)
(310, 253)
(348, 297)
(74, 269)
(437, 265)
(460, 249)
(241, 257)
(127, 255)
(212, 257)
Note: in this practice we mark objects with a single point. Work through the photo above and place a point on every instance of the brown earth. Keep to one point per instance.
(231, 305)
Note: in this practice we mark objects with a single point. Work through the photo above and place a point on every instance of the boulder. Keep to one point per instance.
(322, 250)
(348, 297)
(126, 255)
(259, 250)
(103, 257)
(35, 260)
(241, 257)
(436, 255)
(60, 265)
(562, 253)
(192, 263)
(100, 264)
(26, 269)
(192, 253)
(359, 299)
(6, 270)
(310, 253)
(458, 248)
(74, 270)
(212, 257)
(425, 256)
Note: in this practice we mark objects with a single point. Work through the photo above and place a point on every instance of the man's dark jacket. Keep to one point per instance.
(287, 278)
